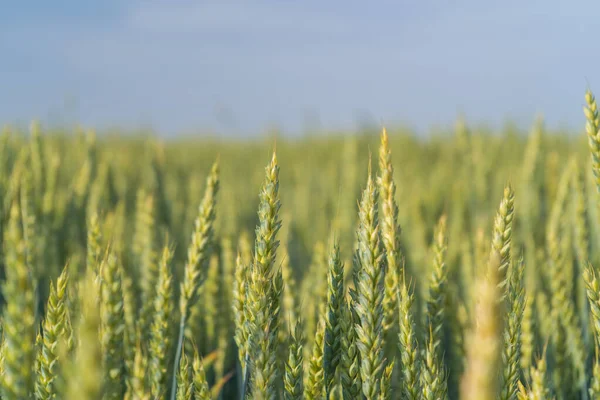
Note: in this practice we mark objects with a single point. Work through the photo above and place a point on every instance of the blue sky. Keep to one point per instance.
(239, 67)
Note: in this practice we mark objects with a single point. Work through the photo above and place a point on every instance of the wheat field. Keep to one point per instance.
(375, 266)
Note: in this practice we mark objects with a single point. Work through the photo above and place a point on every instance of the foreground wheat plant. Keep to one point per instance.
(106, 295)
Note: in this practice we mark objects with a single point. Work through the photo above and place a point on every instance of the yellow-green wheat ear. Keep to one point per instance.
(333, 329)
(480, 381)
(290, 311)
(143, 247)
(113, 328)
(390, 231)
(386, 382)
(200, 246)
(19, 316)
(539, 388)
(137, 379)
(263, 297)
(269, 223)
(528, 336)
(437, 287)
(511, 351)
(197, 256)
(185, 386)
(275, 295)
(502, 234)
(350, 359)
(592, 127)
(593, 295)
(240, 288)
(368, 302)
(433, 376)
(294, 368)
(160, 337)
(408, 346)
(201, 390)
(132, 330)
(53, 331)
(315, 384)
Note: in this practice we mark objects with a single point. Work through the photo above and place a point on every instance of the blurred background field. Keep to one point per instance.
(145, 192)
(458, 171)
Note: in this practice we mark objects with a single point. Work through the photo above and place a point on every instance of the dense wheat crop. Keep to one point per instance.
(371, 266)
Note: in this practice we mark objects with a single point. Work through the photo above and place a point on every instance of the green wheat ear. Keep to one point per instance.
(160, 340)
(408, 346)
(294, 368)
(437, 287)
(137, 380)
(19, 316)
(502, 236)
(539, 381)
(593, 295)
(386, 382)
(200, 246)
(201, 390)
(185, 387)
(390, 231)
(144, 253)
(54, 329)
(368, 302)
(592, 129)
(350, 359)
(264, 292)
(131, 329)
(433, 376)
(113, 328)
(333, 329)
(240, 288)
(511, 351)
(315, 385)
(528, 336)
(197, 256)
